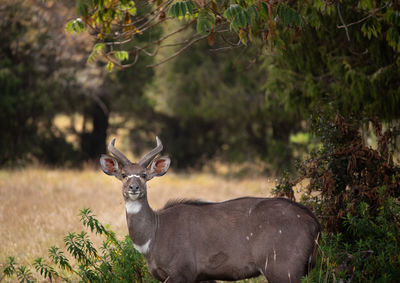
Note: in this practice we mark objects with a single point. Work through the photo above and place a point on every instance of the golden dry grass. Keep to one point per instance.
(40, 206)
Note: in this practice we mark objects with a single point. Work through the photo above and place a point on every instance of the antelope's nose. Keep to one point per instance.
(134, 187)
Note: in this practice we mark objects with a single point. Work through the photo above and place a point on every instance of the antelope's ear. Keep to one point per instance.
(159, 167)
(110, 165)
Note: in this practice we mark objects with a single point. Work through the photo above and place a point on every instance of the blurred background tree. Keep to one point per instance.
(243, 92)
(28, 96)
(40, 65)
(220, 107)
(44, 74)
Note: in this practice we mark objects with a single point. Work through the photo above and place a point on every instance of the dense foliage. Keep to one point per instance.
(355, 72)
(325, 55)
(273, 63)
(346, 171)
(372, 255)
(115, 261)
(230, 116)
(44, 74)
(355, 190)
(29, 98)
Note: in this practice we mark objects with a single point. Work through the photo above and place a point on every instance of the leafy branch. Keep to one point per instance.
(118, 24)
(115, 262)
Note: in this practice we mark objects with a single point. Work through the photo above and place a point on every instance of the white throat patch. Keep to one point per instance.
(143, 249)
(133, 207)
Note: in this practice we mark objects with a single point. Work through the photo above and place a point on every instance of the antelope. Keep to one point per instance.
(195, 241)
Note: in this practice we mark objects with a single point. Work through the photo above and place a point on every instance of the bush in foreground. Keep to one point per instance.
(354, 189)
(115, 261)
(373, 255)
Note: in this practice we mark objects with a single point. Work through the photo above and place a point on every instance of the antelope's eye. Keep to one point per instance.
(144, 175)
(123, 175)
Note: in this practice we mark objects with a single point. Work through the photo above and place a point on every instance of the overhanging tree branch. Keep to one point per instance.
(365, 18)
(177, 52)
(342, 21)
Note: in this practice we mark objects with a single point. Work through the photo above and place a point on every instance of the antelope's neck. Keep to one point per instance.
(141, 221)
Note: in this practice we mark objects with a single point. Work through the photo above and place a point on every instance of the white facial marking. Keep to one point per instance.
(133, 207)
(143, 249)
(134, 175)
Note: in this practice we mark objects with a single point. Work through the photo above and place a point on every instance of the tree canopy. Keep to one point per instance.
(323, 51)
(249, 73)
(275, 23)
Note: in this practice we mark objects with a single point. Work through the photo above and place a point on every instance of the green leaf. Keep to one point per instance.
(393, 38)
(24, 274)
(99, 47)
(243, 37)
(9, 268)
(395, 18)
(190, 6)
(81, 8)
(205, 21)
(45, 270)
(121, 55)
(288, 16)
(232, 11)
(263, 11)
(366, 4)
(171, 12)
(252, 14)
(242, 19)
(238, 16)
(132, 11)
(181, 9)
(75, 26)
(130, 6)
(95, 52)
(68, 26)
(174, 10)
(110, 66)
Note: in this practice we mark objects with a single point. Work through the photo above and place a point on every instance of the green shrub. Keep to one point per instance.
(373, 255)
(354, 189)
(115, 261)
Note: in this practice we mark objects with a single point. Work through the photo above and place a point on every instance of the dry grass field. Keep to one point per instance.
(40, 206)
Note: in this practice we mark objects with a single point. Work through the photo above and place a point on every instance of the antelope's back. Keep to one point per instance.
(244, 225)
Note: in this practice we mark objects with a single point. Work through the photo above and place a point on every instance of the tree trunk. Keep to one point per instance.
(93, 143)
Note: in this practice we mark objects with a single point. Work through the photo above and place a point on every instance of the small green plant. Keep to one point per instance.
(115, 261)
